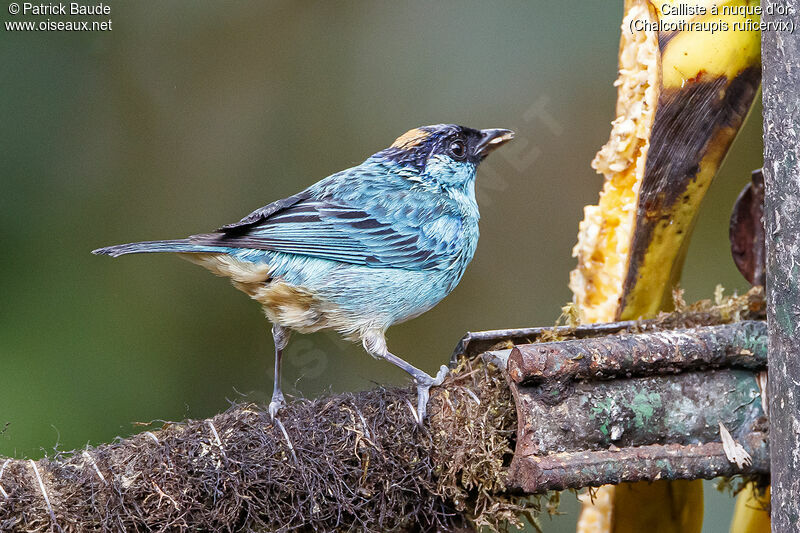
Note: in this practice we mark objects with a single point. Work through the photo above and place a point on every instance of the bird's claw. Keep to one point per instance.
(424, 384)
(276, 404)
(439, 379)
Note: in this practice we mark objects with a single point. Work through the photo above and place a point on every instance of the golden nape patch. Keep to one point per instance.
(411, 139)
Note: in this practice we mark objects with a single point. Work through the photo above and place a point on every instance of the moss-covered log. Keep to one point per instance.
(345, 462)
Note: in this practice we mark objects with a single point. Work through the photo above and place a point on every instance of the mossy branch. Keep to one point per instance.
(344, 462)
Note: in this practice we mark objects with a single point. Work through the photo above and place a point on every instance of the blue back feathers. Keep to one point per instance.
(411, 206)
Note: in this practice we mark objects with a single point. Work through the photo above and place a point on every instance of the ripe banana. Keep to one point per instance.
(688, 74)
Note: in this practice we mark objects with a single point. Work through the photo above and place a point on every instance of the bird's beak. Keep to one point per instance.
(491, 139)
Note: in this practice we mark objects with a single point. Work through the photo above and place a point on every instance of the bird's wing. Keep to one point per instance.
(399, 229)
(263, 213)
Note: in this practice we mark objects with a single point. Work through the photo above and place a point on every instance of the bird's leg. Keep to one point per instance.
(281, 337)
(375, 344)
(424, 382)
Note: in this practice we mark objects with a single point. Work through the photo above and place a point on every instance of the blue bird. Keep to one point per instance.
(360, 250)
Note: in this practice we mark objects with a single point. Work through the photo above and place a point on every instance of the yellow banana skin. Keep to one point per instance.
(683, 95)
(663, 507)
(707, 91)
(751, 514)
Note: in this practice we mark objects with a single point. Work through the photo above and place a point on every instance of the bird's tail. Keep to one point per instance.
(176, 246)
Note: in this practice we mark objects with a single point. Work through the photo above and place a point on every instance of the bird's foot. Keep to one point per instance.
(276, 404)
(424, 384)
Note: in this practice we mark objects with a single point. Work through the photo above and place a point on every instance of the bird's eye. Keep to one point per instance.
(457, 149)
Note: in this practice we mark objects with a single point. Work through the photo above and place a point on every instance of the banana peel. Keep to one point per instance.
(686, 83)
(751, 514)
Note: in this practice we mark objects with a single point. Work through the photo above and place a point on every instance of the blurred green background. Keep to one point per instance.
(188, 115)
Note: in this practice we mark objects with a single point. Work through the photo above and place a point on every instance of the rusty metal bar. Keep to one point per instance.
(634, 401)
(644, 463)
(738, 345)
(749, 307)
(476, 342)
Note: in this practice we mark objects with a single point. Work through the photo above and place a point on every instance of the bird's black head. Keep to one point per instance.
(459, 143)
